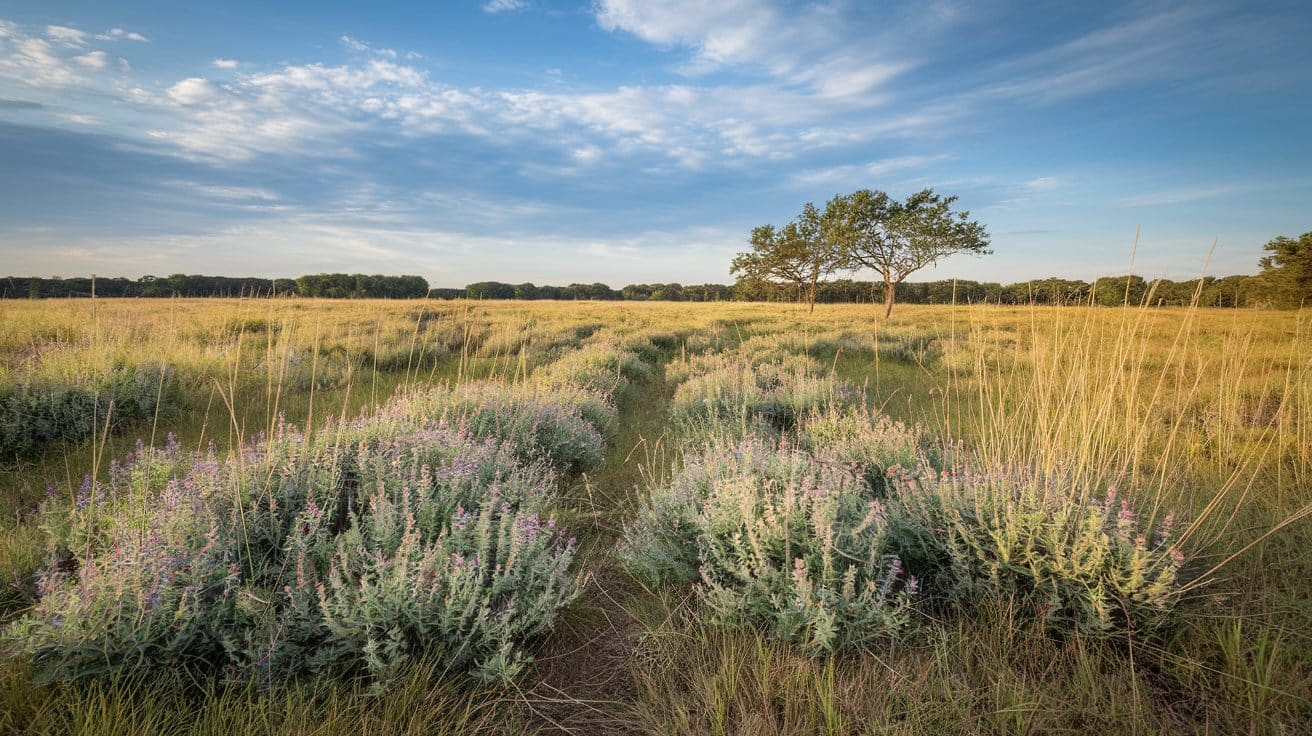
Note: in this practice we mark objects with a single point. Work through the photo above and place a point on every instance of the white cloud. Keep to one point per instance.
(864, 174)
(33, 61)
(610, 250)
(192, 91)
(118, 34)
(224, 63)
(93, 60)
(587, 155)
(355, 44)
(67, 36)
(810, 47)
(504, 6)
(1043, 184)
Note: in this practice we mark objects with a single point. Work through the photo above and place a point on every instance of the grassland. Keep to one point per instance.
(1202, 415)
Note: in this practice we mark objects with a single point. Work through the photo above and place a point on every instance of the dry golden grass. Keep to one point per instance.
(1207, 413)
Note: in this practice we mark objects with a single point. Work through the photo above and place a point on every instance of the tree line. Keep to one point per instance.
(868, 230)
(1285, 281)
(326, 285)
(1228, 291)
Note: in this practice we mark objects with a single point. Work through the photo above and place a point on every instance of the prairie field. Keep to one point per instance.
(293, 516)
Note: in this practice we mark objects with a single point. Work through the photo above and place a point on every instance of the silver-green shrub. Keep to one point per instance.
(601, 367)
(1084, 563)
(772, 537)
(350, 553)
(33, 416)
(736, 394)
(559, 426)
(867, 443)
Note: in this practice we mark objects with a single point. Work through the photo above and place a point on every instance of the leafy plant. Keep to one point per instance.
(355, 552)
(1084, 563)
(772, 537)
(35, 415)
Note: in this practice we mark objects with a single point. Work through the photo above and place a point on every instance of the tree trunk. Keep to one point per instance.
(889, 288)
(813, 280)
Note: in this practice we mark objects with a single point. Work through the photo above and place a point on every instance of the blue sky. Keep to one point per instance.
(635, 141)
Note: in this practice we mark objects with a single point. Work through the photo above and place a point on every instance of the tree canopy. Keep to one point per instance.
(1287, 271)
(897, 238)
(800, 253)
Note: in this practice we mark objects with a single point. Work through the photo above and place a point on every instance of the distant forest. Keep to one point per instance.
(1230, 291)
(328, 285)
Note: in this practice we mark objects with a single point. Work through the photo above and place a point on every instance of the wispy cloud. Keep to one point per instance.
(118, 34)
(865, 174)
(504, 6)
(355, 44)
(1180, 196)
(67, 36)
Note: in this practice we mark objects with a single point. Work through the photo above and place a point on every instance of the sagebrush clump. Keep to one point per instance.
(33, 416)
(1082, 562)
(562, 427)
(770, 536)
(351, 553)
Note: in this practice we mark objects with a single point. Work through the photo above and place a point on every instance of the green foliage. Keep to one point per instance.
(558, 427)
(1287, 271)
(354, 553)
(772, 536)
(1081, 563)
(33, 416)
(799, 254)
(896, 239)
(361, 286)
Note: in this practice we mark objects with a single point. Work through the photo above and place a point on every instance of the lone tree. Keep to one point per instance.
(800, 253)
(896, 239)
(1287, 272)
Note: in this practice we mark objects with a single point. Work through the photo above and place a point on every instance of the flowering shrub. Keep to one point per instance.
(469, 585)
(35, 415)
(703, 363)
(772, 537)
(737, 395)
(353, 552)
(601, 367)
(866, 442)
(1087, 564)
(562, 427)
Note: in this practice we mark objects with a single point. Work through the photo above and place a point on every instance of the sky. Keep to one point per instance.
(632, 141)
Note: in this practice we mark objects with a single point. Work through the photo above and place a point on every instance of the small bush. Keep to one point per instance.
(602, 368)
(32, 416)
(918, 349)
(351, 554)
(561, 427)
(773, 538)
(1085, 564)
(867, 443)
(737, 395)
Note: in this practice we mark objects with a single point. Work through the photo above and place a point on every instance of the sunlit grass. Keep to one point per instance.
(1204, 413)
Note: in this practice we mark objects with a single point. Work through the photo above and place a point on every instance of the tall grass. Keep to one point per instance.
(1201, 413)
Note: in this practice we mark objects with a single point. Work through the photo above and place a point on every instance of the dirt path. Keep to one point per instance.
(582, 677)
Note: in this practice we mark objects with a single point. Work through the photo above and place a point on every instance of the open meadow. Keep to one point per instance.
(299, 516)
